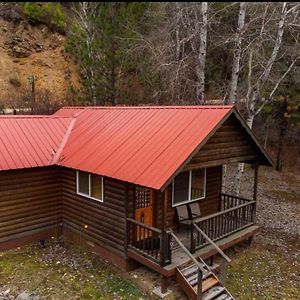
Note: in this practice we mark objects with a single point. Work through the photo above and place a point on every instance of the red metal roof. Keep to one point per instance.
(30, 141)
(142, 145)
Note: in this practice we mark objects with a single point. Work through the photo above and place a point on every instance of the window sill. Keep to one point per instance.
(89, 197)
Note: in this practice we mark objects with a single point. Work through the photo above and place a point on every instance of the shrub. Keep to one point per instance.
(53, 15)
(33, 11)
(49, 13)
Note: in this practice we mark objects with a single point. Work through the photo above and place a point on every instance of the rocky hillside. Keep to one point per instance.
(27, 50)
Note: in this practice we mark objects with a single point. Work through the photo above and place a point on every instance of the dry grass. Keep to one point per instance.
(55, 272)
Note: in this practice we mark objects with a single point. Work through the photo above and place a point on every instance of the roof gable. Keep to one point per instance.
(230, 143)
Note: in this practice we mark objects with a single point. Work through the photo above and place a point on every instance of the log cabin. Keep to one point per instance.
(117, 179)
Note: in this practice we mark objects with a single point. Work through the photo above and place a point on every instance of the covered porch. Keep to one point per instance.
(156, 247)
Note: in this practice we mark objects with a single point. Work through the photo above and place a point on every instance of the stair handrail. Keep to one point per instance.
(225, 259)
(212, 243)
(187, 252)
(201, 270)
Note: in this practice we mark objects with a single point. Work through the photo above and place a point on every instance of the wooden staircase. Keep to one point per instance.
(212, 288)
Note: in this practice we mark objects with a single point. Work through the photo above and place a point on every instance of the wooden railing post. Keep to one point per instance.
(163, 249)
(223, 271)
(163, 246)
(193, 239)
(144, 239)
(199, 285)
(255, 189)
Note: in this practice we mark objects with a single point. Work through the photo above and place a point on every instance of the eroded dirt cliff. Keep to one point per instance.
(27, 50)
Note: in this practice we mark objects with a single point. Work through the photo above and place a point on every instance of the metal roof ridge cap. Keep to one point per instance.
(150, 107)
(56, 157)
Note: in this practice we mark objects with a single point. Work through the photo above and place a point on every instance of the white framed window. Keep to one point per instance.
(188, 187)
(89, 185)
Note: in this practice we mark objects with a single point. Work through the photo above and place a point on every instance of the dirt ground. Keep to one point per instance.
(269, 269)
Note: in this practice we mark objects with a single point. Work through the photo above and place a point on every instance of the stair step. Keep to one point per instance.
(213, 292)
(190, 271)
(224, 296)
(192, 280)
(207, 284)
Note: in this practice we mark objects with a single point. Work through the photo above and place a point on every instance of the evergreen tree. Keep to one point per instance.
(101, 40)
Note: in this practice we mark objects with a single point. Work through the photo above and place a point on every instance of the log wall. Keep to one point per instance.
(30, 203)
(101, 223)
(230, 143)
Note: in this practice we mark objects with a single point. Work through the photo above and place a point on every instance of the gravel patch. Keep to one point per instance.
(278, 199)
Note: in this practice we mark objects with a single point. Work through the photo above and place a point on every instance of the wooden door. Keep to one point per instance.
(143, 210)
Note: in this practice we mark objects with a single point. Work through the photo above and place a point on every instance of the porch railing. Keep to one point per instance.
(236, 214)
(229, 201)
(149, 241)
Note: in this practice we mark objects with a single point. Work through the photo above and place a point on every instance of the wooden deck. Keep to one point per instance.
(179, 258)
(157, 249)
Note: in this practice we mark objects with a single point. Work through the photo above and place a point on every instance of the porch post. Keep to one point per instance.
(163, 246)
(256, 165)
(164, 212)
(255, 181)
(163, 241)
(127, 228)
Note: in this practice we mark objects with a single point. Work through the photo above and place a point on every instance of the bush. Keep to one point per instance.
(53, 15)
(49, 13)
(33, 11)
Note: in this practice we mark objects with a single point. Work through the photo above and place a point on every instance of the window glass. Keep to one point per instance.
(96, 187)
(83, 183)
(198, 184)
(181, 188)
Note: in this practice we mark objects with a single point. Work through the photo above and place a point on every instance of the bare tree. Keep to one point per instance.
(85, 13)
(179, 50)
(200, 68)
(237, 55)
(262, 52)
(262, 80)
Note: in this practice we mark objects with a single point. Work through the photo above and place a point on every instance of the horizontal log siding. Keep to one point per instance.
(211, 203)
(208, 205)
(229, 144)
(29, 202)
(105, 220)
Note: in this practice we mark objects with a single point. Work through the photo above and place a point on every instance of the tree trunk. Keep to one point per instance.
(200, 69)
(33, 102)
(237, 56)
(282, 134)
(241, 166)
(279, 157)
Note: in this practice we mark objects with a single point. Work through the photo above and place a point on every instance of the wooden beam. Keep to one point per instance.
(127, 232)
(163, 247)
(255, 181)
(163, 284)
(164, 210)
